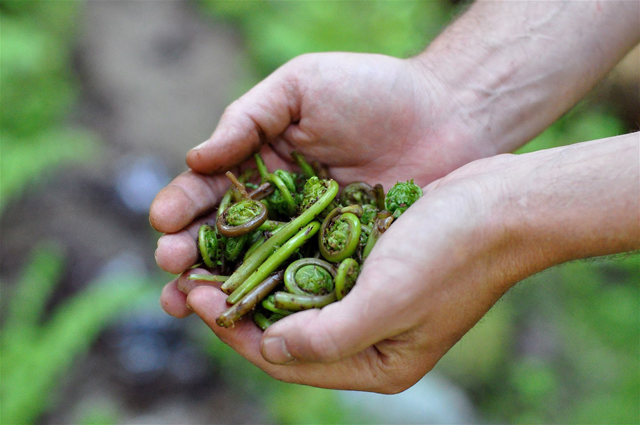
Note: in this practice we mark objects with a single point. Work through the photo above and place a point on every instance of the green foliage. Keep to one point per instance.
(278, 31)
(37, 350)
(561, 347)
(25, 160)
(585, 122)
(38, 91)
(284, 403)
(401, 196)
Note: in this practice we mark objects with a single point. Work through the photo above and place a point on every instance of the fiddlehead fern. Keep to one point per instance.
(368, 214)
(346, 276)
(402, 196)
(382, 223)
(358, 193)
(310, 284)
(291, 228)
(282, 200)
(279, 256)
(250, 300)
(314, 189)
(348, 233)
(340, 233)
(309, 276)
(243, 216)
(209, 246)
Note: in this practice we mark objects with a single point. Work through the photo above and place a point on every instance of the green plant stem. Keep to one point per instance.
(346, 277)
(382, 223)
(297, 302)
(304, 165)
(228, 318)
(208, 277)
(268, 304)
(263, 322)
(275, 260)
(284, 191)
(286, 232)
(261, 166)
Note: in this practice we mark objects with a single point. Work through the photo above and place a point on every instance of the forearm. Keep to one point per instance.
(515, 67)
(574, 202)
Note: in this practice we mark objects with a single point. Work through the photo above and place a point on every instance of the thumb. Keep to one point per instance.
(342, 329)
(257, 117)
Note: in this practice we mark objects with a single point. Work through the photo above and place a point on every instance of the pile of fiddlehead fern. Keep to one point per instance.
(293, 241)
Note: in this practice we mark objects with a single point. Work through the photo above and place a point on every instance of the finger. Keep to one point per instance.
(173, 298)
(376, 309)
(188, 196)
(186, 285)
(369, 314)
(366, 371)
(173, 301)
(256, 118)
(177, 252)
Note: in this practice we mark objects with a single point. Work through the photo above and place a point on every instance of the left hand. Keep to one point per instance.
(444, 263)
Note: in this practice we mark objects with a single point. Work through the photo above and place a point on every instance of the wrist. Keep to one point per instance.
(511, 69)
(573, 202)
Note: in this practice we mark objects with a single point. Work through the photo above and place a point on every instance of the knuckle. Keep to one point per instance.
(231, 109)
(397, 373)
(323, 346)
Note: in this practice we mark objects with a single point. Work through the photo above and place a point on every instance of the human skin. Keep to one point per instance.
(475, 92)
(471, 237)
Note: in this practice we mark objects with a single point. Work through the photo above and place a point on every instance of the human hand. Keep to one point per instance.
(367, 117)
(444, 263)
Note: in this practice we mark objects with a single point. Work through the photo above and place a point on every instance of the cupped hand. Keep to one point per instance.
(443, 264)
(369, 118)
(430, 278)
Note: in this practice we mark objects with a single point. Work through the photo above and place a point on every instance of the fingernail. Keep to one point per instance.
(200, 145)
(274, 350)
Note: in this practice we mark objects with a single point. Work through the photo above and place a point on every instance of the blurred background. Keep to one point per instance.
(100, 102)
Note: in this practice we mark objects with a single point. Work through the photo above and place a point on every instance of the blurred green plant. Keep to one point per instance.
(277, 31)
(285, 404)
(38, 91)
(587, 121)
(37, 349)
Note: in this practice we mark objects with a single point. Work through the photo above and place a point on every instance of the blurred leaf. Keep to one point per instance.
(278, 31)
(585, 122)
(482, 351)
(296, 404)
(38, 91)
(27, 304)
(286, 403)
(35, 78)
(24, 161)
(35, 356)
